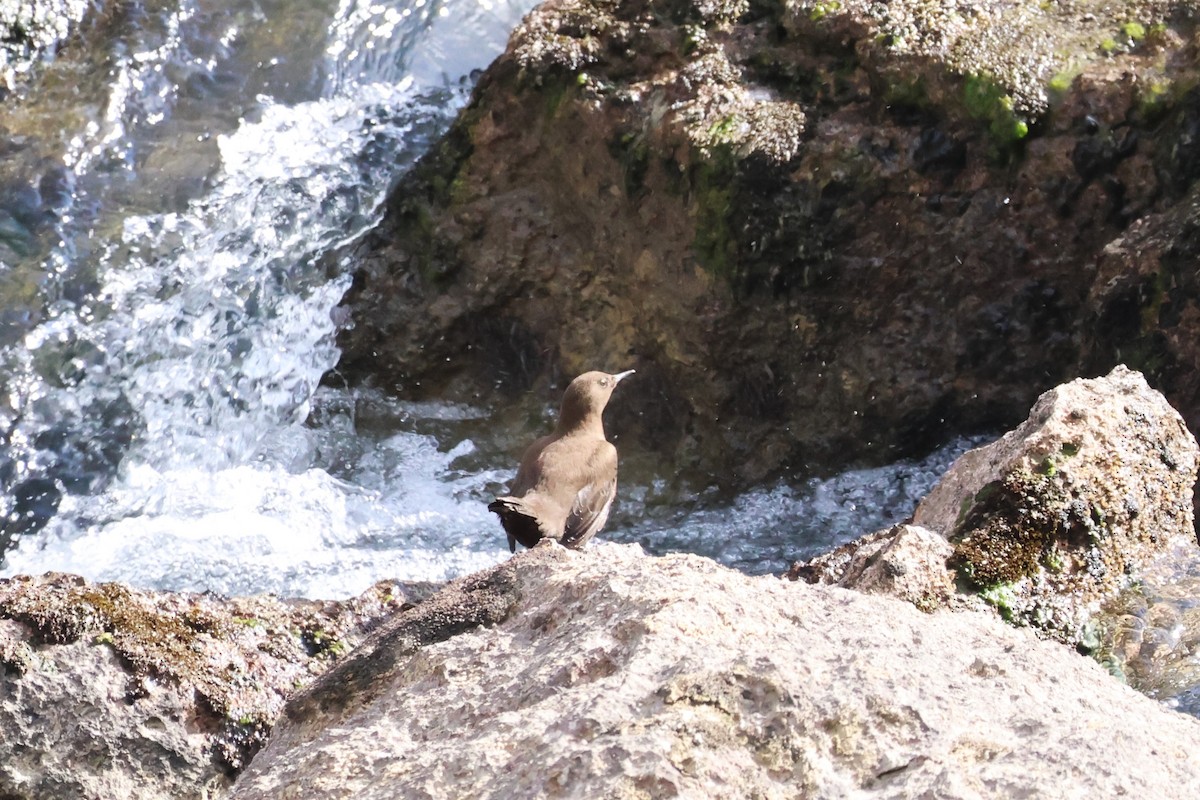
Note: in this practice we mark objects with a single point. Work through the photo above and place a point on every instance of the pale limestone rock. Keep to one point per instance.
(112, 693)
(906, 561)
(1057, 514)
(73, 728)
(606, 673)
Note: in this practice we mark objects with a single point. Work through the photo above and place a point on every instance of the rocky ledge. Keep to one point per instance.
(608, 673)
(108, 692)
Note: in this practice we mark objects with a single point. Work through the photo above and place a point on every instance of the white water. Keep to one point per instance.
(195, 355)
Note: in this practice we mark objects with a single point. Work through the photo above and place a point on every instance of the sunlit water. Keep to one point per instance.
(177, 223)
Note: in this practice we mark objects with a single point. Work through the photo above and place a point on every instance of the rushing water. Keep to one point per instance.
(168, 290)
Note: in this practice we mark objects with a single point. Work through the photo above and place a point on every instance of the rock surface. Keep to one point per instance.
(906, 561)
(108, 692)
(821, 232)
(1047, 522)
(1060, 512)
(608, 673)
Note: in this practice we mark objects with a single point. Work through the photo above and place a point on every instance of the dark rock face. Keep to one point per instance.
(821, 231)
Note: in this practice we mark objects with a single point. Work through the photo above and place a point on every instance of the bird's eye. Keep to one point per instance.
(604, 381)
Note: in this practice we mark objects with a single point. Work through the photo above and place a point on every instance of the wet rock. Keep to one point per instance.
(864, 225)
(1150, 633)
(608, 673)
(1058, 514)
(109, 692)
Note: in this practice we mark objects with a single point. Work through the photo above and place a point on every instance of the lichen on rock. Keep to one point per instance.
(1059, 513)
(178, 689)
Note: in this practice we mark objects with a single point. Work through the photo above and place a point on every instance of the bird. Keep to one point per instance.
(567, 480)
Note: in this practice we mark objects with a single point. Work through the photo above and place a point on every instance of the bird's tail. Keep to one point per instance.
(519, 521)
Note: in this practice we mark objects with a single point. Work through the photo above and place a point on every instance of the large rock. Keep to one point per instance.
(821, 232)
(1059, 513)
(1047, 522)
(108, 692)
(608, 673)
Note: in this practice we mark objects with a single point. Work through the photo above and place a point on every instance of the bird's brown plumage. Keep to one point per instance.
(566, 481)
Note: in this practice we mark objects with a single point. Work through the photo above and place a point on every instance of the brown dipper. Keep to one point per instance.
(567, 480)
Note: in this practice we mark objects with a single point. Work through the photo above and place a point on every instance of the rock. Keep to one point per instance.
(608, 673)
(1058, 514)
(1144, 304)
(906, 561)
(109, 692)
(863, 224)
(1092, 493)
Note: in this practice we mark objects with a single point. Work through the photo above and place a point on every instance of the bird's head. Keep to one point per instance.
(588, 394)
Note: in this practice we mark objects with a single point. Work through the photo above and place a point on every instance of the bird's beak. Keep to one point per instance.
(622, 375)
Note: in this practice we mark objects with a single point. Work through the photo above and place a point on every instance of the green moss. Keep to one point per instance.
(1062, 81)
(715, 244)
(1009, 530)
(1053, 560)
(1156, 97)
(1069, 449)
(987, 100)
(553, 90)
(822, 10)
(320, 642)
(724, 130)
(1004, 597)
(1048, 466)
(1134, 31)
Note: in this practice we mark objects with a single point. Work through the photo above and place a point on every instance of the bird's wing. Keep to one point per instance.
(589, 512)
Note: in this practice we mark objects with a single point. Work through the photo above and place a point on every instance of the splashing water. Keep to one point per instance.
(176, 348)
